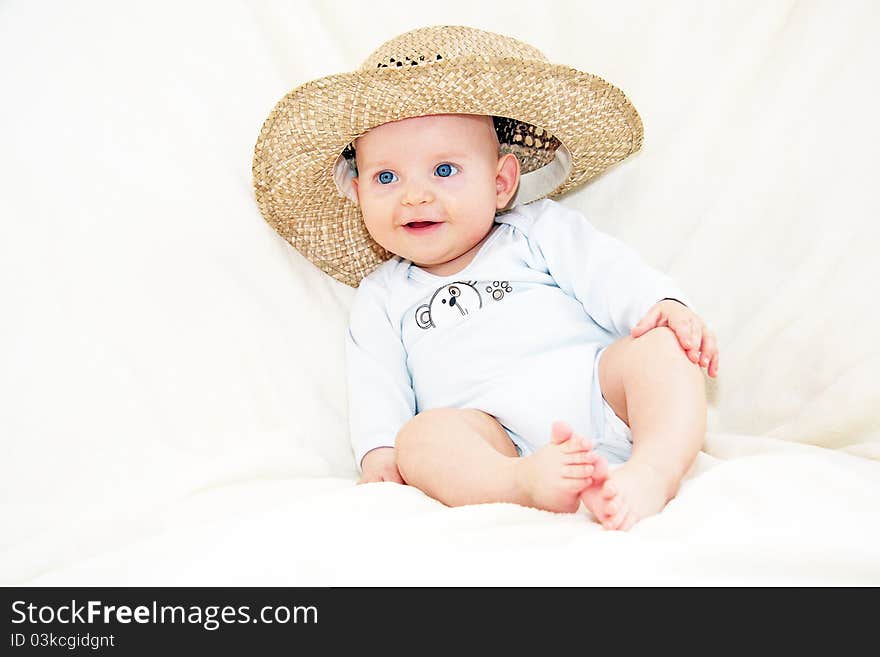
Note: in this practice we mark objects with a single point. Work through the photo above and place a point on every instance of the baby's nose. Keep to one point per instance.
(417, 193)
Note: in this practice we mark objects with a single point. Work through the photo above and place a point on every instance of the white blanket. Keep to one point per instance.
(172, 399)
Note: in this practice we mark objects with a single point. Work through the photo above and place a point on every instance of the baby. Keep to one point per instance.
(500, 348)
(520, 390)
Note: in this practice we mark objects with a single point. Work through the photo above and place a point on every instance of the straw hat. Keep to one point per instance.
(564, 125)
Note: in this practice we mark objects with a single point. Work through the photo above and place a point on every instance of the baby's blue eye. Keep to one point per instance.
(386, 177)
(446, 170)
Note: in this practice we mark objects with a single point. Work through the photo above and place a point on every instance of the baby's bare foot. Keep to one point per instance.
(553, 477)
(630, 493)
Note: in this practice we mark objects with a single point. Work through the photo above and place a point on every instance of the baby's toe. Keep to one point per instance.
(577, 444)
(609, 490)
(600, 468)
(628, 522)
(560, 432)
(577, 471)
(617, 520)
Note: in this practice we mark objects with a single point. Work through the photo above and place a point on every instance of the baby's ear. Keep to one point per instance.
(354, 186)
(507, 178)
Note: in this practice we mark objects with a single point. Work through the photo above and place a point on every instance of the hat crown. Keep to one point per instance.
(429, 45)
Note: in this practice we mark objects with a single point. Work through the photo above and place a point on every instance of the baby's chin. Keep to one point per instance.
(426, 257)
(426, 262)
(445, 266)
(432, 251)
(429, 251)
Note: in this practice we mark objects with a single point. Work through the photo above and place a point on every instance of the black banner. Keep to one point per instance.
(265, 620)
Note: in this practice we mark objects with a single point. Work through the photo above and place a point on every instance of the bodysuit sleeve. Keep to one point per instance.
(380, 394)
(613, 283)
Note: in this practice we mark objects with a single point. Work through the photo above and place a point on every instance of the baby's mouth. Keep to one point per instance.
(420, 227)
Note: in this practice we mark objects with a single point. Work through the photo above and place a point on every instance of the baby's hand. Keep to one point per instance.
(693, 335)
(380, 464)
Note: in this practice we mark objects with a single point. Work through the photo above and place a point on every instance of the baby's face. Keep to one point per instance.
(442, 168)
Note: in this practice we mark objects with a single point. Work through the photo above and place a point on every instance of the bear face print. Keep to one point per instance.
(450, 305)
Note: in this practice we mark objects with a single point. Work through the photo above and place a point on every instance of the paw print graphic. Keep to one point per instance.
(498, 288)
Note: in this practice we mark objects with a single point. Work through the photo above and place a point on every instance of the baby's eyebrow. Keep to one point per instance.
(375, 165)
(451, 155)
(446, 155)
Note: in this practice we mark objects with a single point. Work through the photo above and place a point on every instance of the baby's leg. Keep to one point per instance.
(464, 456)
(653, 387)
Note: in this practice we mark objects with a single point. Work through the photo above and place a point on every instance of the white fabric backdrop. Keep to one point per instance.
(171, 371)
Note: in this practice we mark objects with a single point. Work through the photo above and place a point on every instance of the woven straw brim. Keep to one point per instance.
(307, 130)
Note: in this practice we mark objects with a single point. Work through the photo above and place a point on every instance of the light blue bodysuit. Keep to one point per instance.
(517, 333)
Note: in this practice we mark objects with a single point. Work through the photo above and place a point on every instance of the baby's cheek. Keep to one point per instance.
(376, 224)
(478, 196)
(376, 193)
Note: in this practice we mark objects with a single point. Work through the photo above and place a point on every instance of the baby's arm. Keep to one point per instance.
(380, 395)
(616, 287)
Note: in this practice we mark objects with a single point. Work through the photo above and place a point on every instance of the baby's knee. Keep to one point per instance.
(421, 426)
(441, 423)
(659, 350)
(661, 340)
(415, 439)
